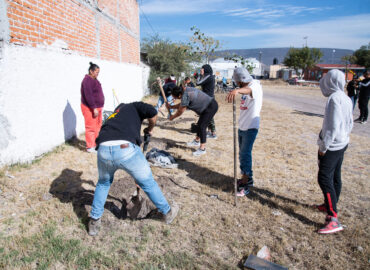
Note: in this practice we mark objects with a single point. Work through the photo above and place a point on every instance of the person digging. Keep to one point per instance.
(118, 146)
(199, 102)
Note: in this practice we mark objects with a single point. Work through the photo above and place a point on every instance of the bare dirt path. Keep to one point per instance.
(310, 105)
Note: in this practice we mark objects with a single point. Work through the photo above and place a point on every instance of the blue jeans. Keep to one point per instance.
(132, 160)
(161, 101)
(354, 100)
(246, 140)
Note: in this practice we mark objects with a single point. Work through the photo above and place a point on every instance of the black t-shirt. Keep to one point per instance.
(125, 123)
(167, 88)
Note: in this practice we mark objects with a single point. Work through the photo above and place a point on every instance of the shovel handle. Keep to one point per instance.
(162, 92)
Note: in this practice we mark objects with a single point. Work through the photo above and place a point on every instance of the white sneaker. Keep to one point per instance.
(193, 143)
(199, 152)
(91, 150)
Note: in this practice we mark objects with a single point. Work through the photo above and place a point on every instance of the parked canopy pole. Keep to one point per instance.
(235, 158)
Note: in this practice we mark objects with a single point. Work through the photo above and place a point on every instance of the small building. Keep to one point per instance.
(274, 71)
(286, 74)
(319, 70)
(225, 68)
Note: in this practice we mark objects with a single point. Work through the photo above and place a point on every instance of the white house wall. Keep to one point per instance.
(40, 97)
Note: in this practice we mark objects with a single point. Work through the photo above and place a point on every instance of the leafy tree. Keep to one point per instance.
(165, 57)
(362, 56)
(304, 58)
(240, 59)
(348, 59)
(202, 45)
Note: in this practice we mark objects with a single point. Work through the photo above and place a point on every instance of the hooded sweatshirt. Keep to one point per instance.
(207, 82)
(338, 121)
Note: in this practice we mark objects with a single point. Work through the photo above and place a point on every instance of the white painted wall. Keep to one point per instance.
(40, 97)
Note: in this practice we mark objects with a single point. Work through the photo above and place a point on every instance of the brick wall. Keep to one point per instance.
(106, 29)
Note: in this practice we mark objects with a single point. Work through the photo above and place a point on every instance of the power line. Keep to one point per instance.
(147, 20)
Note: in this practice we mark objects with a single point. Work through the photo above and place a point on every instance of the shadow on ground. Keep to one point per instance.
(264, 197)
(122, 201)
(77, 143)
(307, 113)
(68, 188)
(226, 184)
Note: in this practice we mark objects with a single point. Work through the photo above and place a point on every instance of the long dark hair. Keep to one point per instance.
(93, 67)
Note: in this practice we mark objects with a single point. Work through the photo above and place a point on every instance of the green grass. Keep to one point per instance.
(46, 248)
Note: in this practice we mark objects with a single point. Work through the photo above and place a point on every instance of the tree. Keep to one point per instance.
(165, 57)
(348, 59)
(362, 56)
(202, 45)
(244, 62)
(303, 59)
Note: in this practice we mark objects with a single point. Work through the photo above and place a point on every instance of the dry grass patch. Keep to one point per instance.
(209, 233)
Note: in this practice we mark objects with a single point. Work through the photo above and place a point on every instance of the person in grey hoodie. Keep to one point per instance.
(333, 141)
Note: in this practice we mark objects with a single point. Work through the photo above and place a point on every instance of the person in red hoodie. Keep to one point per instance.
(92, 102)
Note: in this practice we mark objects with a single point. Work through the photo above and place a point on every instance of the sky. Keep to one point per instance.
(247, 24)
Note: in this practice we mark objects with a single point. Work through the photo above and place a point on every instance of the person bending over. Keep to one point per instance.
(118, 147)
(199, 102)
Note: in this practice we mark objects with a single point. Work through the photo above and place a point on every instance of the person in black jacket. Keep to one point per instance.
(207, 82)
(352, 90)
(363, 99)
(118, 146)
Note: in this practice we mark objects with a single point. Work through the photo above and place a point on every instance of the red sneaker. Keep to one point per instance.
(332, 225)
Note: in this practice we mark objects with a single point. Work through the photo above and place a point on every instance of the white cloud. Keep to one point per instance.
(182, 7)
(271, 12)
(344, 32)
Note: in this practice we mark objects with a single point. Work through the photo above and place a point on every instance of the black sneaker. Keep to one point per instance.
(358, 120)
(94, 226)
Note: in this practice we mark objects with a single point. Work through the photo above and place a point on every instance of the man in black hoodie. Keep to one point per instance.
(207, 82)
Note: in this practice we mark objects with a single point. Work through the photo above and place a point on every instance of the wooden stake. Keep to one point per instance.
(235, 157)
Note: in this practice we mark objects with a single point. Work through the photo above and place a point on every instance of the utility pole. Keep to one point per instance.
(306, 37)
(260, 58)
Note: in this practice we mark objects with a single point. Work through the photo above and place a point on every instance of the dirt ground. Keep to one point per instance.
(44, 206)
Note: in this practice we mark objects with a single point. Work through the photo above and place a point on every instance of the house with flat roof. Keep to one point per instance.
(319, 70)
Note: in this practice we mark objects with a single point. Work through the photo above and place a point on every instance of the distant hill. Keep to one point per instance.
(268, 54)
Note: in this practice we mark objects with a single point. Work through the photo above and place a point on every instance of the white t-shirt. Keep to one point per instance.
(250, 108)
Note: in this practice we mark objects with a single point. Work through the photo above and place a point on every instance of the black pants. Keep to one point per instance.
(363, 106)
(205, 118)
(212, 126)
(329, 178)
